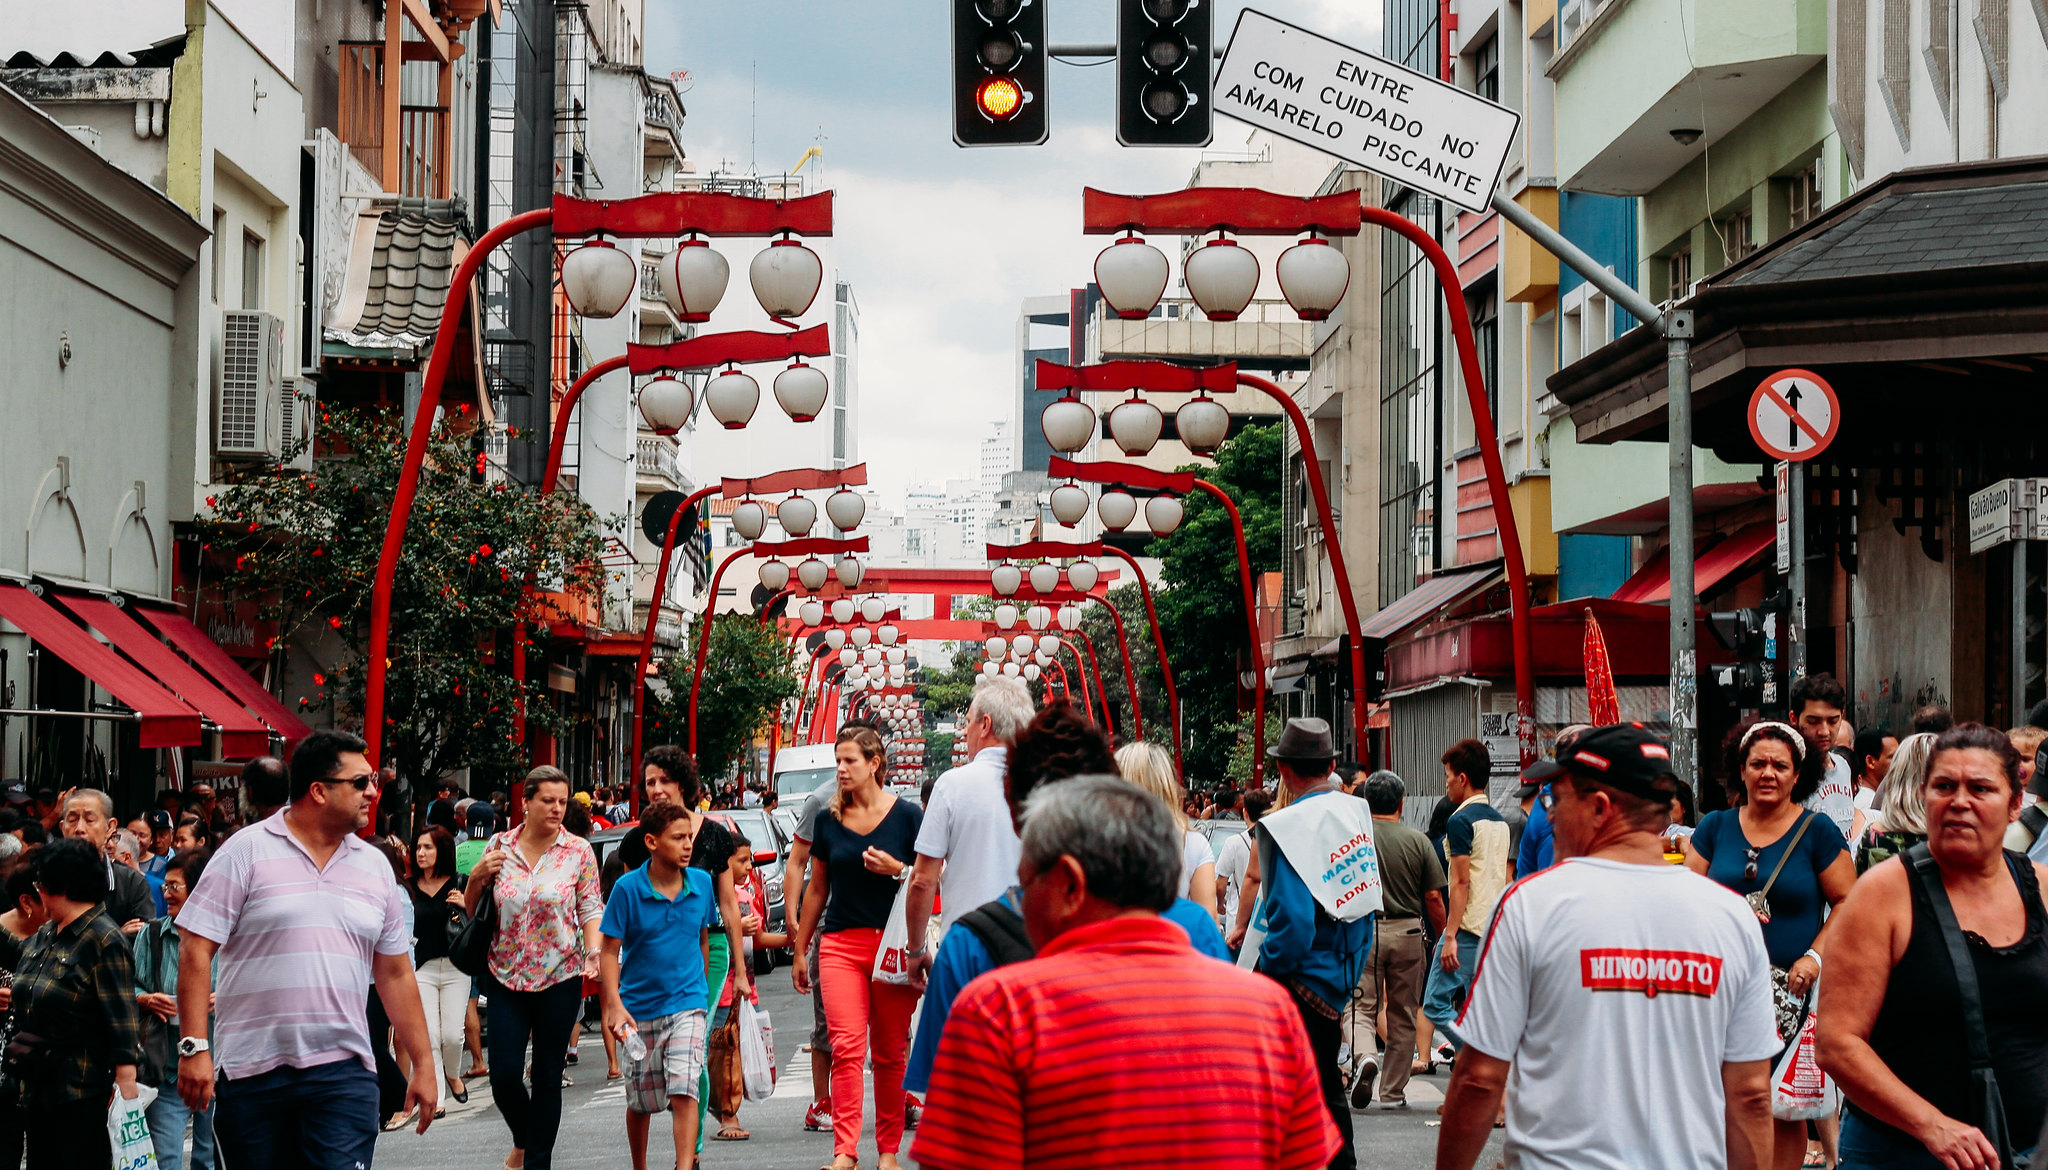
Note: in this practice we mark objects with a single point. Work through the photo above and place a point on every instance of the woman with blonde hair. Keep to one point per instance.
(866, 837)
(1149, 767)
(1901, 820)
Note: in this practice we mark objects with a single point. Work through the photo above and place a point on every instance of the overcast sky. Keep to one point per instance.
(941, 244)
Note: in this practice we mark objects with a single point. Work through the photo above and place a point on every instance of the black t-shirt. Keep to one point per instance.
(858, 896)
(430, 919)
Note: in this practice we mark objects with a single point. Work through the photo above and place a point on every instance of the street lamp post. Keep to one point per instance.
(668, 544)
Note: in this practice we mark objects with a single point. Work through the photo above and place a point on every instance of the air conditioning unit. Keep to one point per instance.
(298, 406)
(245, 415)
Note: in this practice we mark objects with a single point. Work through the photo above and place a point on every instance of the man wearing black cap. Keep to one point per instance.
(1321, 883)
(1628, 1000)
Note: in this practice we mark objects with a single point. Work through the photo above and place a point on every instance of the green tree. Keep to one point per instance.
(305, 548)
(938, 751)
(946, 693)
(1201, 604)
(1101, 630)
(748, 675)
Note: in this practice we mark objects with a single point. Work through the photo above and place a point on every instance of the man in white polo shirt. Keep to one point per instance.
(967, 847)
(1626, 1000)
(304, 916)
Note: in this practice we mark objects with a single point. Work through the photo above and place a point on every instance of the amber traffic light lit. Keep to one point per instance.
(999, 97)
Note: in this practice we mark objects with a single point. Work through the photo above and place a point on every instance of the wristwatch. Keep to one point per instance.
(192, 1046)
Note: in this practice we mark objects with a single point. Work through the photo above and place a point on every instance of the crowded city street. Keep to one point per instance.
(1024, 585)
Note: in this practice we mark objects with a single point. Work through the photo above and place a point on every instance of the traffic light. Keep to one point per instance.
(1163, 49)
(999, 72)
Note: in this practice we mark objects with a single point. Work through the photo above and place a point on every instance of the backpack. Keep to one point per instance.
(2034, 818)
(1001, 930)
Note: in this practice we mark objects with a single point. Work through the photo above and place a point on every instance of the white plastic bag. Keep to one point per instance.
(1800, 1091)
(892, 958)
(128, 1130)
(757, 1056)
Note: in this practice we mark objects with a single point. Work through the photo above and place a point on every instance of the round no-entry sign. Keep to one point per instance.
(1794, 415)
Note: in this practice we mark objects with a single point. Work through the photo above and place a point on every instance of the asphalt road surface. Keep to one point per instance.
(473, 1137)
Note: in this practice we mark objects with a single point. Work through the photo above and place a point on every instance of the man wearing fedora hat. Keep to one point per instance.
(1316, 945)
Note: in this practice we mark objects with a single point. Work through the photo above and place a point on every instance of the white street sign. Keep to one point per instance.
(1397, 123)
(1784, 495)
(2011, 509)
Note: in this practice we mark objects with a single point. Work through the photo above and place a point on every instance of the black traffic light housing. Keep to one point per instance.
(1163, 52)
(999, 72)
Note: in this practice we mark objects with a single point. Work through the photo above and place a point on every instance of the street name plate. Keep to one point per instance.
(1397, 123)
(1994, 515)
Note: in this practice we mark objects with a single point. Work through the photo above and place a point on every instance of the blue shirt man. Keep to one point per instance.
(661, 960)
(1539, 842)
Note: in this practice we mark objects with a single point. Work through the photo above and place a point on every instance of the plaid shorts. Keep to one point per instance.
(675, 1060)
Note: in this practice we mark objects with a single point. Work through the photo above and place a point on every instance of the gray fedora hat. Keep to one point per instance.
(1305, 739)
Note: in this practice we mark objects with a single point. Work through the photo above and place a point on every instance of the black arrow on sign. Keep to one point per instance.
(1792, 400)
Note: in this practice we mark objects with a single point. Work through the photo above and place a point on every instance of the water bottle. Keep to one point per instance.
(636, 1048)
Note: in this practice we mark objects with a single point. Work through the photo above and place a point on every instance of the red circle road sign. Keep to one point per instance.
(1794, 415)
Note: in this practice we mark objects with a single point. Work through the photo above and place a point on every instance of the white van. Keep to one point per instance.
(799, 770)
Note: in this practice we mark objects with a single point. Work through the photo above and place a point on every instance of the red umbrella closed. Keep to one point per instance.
(1603, 704)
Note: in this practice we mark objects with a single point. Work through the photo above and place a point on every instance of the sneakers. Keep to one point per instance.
(913, 1111)
(1362, 1082)
(1393, 1105)
(818, 1118)
(1443, 1054)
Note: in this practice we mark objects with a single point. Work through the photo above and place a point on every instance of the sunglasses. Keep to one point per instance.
(362, 783)
(1749, 871)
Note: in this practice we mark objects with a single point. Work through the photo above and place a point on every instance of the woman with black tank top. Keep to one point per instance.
(1892, 1029)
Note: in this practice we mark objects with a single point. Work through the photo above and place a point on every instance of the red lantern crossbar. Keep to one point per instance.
(1180, 483)
(1245, 211)
(1145, 374)
(704, 213)
(738, 347)
(809, 546)
(1036, 549)
(796, 479)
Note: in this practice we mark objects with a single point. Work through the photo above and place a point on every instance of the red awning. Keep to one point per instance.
(166, 721)
(215, 662)
(242, 735)
(1710, 566)
(1424, 601)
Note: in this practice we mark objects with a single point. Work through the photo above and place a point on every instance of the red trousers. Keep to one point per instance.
(861, 1013)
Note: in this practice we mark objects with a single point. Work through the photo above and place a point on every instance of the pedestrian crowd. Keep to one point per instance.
(1841, 960)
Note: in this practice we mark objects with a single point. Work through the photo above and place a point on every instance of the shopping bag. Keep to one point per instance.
(757, 1061)
(1800, 1091)
(892, 957)
(128, 1130)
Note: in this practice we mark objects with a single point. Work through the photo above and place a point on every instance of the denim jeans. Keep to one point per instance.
(1446, 992)
(318, 1118)
(544, 1018)
(168, 1115)
(1865, 1146)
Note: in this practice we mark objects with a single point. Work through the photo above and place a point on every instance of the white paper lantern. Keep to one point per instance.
(1006, 616)
(896, 655)
(786, 276)
(1069, 618)
(1048, 645)
(1012, 669)
(1069, 503)
(1006, 579)
(1222, 277)
(1117, 508)
(796, 515)
(812, 573)
(861, 636)
(895, 674)
(1021, 643)
(1083, 575)
(856, 678)
(1038, 617)
(1203, 424)
(1132, 275)
(845, 509)
(731, 397)
(872, 656)
(1313, 277)
(693, 280)
(812, 612)
(1031, 672)
(843, 610)
(665, 404)
(996, 645)
(836, 639)
(847, 656)
(873, 608)
(801, 390)
(598, 279)
(888, 634)
(849, 570)
(1135, 424)
(774, 575)
(1068, 423)
(991, 669)
(1163, 514)
(750, 520)
(1042, 658)
(1045, 577)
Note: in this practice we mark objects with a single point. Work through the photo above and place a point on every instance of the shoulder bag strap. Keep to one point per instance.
(1927, 872)
(1787, 854)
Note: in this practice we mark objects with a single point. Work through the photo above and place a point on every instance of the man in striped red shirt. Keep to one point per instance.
(1119, 1045)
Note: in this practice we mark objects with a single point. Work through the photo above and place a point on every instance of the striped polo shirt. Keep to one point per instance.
(296, 943)
(1120, 1045)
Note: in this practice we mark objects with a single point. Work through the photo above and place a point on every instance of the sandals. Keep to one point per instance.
(397, 1121)
(730, 1131)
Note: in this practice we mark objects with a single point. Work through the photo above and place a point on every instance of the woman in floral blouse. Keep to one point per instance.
(545, 882)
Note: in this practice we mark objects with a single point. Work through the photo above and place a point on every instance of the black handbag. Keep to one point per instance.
(1983, 1078)
(469, 935)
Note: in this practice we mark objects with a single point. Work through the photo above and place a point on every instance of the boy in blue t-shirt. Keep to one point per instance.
(656, 947)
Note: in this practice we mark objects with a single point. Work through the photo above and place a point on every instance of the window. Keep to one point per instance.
(1678, 273)
(1804, 197)
(1486, 338)
(1486, 70)
(219, 250)
(1410, 389)
(1737, 236)
(252, 270)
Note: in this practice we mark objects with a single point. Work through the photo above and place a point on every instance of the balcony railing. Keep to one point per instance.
(650, 279)
(420, 167)
(661, 110)
(656, 456)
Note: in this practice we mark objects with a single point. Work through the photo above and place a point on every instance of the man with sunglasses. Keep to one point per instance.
(303, 914)
(1627, 1000)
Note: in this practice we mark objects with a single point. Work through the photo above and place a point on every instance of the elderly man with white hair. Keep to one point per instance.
(967, 848)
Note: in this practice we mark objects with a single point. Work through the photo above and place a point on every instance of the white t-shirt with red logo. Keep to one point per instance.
(1618, 991)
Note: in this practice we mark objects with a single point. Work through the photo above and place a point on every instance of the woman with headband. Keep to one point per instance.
(1788, 862)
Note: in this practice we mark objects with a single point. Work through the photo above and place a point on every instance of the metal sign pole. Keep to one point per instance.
(1795, 578)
